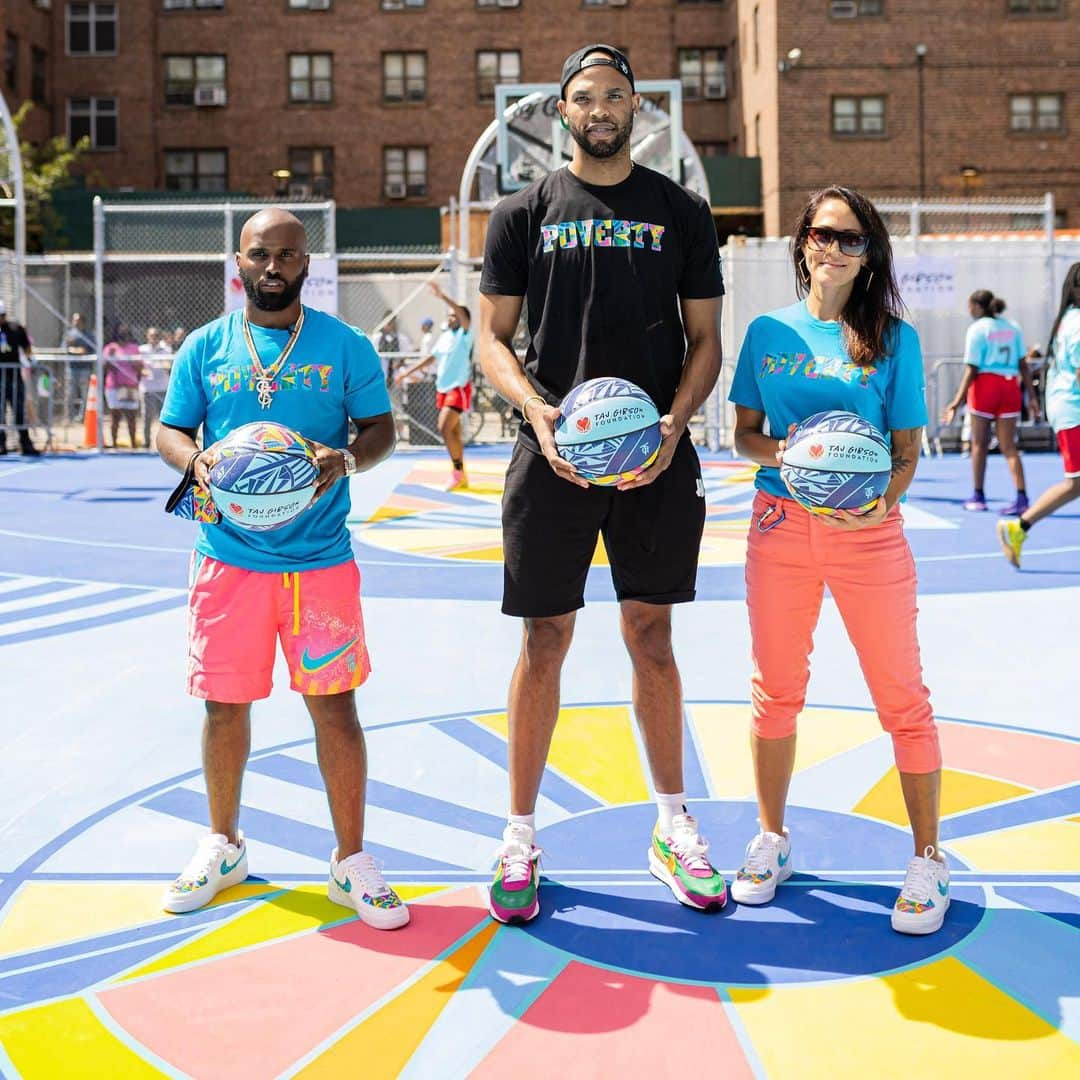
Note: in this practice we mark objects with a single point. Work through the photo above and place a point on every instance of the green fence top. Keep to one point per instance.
(734, 182)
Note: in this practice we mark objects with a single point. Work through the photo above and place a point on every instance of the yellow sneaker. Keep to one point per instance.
(1011, 536)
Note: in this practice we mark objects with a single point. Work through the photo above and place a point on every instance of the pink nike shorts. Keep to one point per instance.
(236, 617)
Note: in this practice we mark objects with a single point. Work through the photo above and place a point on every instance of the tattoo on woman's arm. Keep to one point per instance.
(901, 463)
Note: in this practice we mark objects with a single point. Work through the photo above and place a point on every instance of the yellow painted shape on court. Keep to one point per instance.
(939, 1020)
(381, 1045)
(723, 736)
(595, 748)
(65, 1038)
(50, 913)
(305, 907)
(1044, 847)
(960, 791)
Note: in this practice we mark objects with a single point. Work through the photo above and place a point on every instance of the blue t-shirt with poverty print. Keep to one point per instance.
(333, 373)
(792, 365)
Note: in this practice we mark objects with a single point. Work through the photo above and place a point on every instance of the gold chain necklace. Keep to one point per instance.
(264, 377)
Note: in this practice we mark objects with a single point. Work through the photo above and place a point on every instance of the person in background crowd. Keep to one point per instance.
(155, 377)
(392, 340)
(122, 374)
(993, 353)
(1062, 380)
(14, 341)
(176, 338)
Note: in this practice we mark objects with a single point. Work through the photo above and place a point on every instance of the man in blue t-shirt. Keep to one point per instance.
(279, 362)
(452, 354)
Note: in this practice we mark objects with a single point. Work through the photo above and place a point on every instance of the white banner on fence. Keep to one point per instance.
(320, 289)
(927, 282)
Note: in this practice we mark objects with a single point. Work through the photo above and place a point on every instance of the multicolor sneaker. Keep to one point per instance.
(920, 908)
(767, 864)
(976, 502)
(1016, 507)
(458, 480)
(216, 865)
(679, 861)
(514, 895)
(356, 882)
(1011, 536)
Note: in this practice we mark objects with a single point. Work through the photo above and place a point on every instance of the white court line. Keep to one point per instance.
(16, 582)
(11, 583)
(92, 543)
(58, 597)
(997, 554)
(91, 611)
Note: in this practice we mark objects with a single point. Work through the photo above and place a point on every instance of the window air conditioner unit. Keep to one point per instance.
(318, 5)
(299, 191)
(508, 3)
(617, 3)
(396, 190)
(844, 9)
(393, 5)
(210, 95)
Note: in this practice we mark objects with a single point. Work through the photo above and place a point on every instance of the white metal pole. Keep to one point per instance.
(99, 314)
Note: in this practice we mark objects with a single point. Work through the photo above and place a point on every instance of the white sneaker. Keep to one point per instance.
(767, 864)
(920, 908)
(216, 865)
(356, 882)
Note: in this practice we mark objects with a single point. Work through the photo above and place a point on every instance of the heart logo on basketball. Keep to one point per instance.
(235, 508)
(817, 450)
(583, 423)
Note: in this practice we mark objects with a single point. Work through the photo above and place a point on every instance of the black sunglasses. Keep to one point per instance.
(850, 243)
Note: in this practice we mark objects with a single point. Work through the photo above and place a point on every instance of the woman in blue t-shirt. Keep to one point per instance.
(843, 346)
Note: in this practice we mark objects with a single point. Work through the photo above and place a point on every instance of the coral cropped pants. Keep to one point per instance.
(791, 557)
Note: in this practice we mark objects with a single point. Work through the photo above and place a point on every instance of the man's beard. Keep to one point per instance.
(604, 149)
(273, 301)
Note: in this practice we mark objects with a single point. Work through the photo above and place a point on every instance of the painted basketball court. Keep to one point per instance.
(102, 801)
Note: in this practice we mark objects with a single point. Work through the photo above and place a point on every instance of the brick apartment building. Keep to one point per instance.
(377, 103)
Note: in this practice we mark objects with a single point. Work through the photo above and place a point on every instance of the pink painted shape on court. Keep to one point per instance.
(1032, 760)
(256, 1013)
(592, 1022)
(411, 502)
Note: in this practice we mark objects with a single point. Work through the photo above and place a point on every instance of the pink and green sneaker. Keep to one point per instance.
(514, 893)
(679, 861)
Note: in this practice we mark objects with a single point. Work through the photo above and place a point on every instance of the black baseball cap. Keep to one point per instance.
(576, 63)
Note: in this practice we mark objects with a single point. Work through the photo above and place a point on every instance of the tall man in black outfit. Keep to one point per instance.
(621, 273)
(14, 337)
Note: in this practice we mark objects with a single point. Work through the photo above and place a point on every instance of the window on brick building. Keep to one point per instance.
(497, 3)
(196, 170)
(39, 66)
(312, 169)
(605, 3)
(404, 76)
(187, 5)
(703, 73)
(309, 5)
(94, 119)
(195, 80)
(311, 77)
(851, 9)
(91, 29)
(858, 115)
(1029, 7)
(11, 61)
(496, 66)
(401, 5)
(1035, 112)
(405, 170)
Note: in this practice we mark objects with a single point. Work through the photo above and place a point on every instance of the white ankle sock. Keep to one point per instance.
(524, 819)
(668, 806)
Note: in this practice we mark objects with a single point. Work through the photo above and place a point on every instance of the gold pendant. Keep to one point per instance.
(263, 388)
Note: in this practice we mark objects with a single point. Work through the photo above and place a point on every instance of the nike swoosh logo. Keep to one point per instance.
(344, 886)
(943, 889)
(309, 664)
(226, 868)
(782, 859)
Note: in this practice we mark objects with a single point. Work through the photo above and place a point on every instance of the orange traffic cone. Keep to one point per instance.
(90, 413)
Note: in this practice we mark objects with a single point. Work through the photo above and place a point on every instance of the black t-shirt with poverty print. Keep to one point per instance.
(602, 270)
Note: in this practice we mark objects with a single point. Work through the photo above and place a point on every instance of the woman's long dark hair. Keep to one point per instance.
(872, 314)
(1070, 297)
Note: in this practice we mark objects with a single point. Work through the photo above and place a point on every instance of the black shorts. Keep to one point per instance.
(550, 527)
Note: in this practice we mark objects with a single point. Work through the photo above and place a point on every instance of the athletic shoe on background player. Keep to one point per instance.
(1011, 535)
(357, 883)
(458, 480)
(976, 502)
(216, 865)
(920, 908)
(514, 893)
(1016, 507)
(679, 861)
(767, 864)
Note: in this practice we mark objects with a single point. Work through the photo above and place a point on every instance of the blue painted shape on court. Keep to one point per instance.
(488, 745)
(1052, 903)
(1021, 953)
(1043, 806)
(287, 833)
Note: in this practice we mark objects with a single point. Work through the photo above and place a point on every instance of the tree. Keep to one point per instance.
(46, 168)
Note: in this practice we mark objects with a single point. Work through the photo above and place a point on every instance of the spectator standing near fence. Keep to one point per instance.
(154, 380)
(123, 370)
(14, 347)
